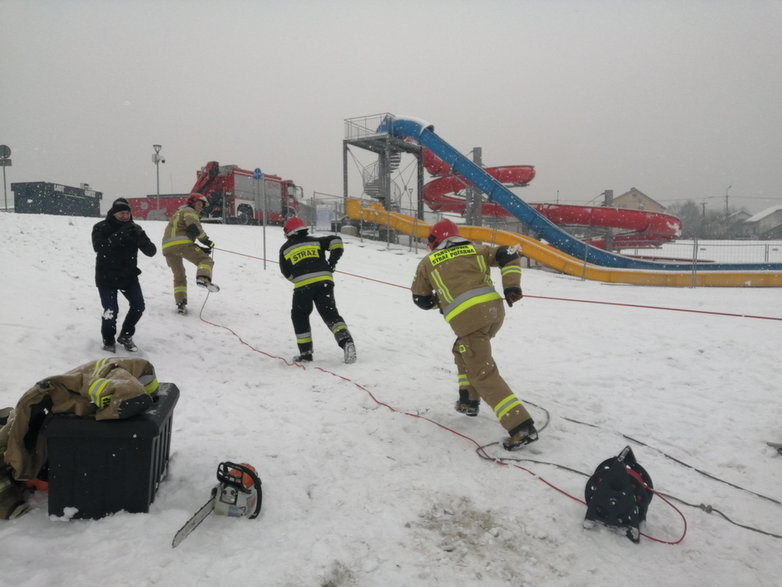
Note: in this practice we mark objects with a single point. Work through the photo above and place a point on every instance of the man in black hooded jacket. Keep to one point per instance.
(117, 240)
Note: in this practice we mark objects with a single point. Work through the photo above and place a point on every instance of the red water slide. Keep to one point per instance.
(436, 192)
(646, 229)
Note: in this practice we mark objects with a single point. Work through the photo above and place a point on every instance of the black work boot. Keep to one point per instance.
(127, 342)
(521, 435)
(467, 406)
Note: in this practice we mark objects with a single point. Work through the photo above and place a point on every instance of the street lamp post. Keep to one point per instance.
(157, 160)
(726, 200)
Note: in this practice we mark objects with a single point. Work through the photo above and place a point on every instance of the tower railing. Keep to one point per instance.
(364, 126)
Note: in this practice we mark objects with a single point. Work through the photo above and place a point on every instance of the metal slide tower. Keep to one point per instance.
(362, 132)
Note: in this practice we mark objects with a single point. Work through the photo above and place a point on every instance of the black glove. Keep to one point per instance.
(332, 266)
(208, 243)
(206, 250)
(512, 295)
(127, 233)
(425, 302)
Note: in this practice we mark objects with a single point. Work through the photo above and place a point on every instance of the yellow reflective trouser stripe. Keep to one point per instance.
(99, 365)
(506, 405)
(304, 339)
(96, 391)
(467, 304)
(313, 280)
(464, 381)
(443, 291)
(338, 327)
(180, 289)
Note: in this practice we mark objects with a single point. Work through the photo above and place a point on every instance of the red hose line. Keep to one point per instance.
(419, 416)
(557, 299)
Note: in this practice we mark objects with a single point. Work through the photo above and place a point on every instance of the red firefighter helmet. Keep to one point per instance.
(196, 197)
(293, 224)
(440, 231)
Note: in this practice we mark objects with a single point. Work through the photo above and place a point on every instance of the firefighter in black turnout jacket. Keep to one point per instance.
(303, 262)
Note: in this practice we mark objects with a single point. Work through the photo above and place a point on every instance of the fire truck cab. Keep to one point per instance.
(236, 197)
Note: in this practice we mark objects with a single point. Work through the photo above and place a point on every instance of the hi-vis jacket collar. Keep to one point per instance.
(451, 240)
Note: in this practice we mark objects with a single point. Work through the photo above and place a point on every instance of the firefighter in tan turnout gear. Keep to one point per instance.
(455, 277)
(179, 242)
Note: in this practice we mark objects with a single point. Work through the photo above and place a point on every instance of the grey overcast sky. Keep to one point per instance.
(680, 99)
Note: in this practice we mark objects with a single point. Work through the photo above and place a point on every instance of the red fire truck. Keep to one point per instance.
(235, 197)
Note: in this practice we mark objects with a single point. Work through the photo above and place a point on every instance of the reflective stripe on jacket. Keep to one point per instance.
(303, 259)
(458, 278)
(177, 233)
(467, 300)
(310, 278)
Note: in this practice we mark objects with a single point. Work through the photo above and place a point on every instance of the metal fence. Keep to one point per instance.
(713, 251)
(326, 212)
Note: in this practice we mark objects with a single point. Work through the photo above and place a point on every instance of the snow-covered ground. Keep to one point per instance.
(370, 478)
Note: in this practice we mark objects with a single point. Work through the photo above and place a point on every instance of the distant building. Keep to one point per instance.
(766, 224)
(635, 199)
(39, 197)
(737, 224)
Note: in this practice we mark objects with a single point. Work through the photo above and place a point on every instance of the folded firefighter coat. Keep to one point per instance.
(111, 388)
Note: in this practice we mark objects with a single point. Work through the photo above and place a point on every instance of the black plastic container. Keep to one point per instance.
(99, 468)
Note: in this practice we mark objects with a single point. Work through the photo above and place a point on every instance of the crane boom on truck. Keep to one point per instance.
(234, 195)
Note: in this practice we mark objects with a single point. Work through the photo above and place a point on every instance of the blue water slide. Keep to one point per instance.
(423, 132)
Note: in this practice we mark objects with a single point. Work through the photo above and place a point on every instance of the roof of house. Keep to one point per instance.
(763, 213)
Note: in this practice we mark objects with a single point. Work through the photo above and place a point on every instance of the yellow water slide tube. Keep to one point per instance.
(555, 259)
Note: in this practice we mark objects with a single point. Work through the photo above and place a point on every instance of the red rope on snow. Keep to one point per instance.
(635, 475)
(647, 307)
(557, 299)
(436, 423)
